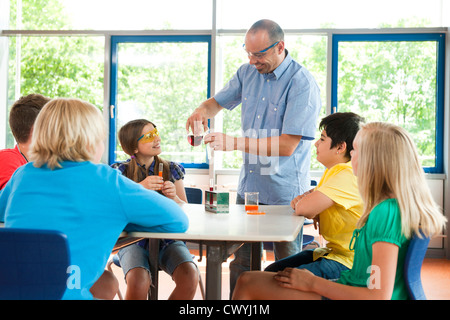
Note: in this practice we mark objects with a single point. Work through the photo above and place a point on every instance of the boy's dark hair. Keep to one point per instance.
(342, 127)
(23, 113)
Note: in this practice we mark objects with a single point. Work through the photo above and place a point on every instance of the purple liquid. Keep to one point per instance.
(194, 141)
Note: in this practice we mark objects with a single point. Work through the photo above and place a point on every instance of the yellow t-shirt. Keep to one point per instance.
(338, 222)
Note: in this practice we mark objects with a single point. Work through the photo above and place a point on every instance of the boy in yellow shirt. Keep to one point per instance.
(335, 204)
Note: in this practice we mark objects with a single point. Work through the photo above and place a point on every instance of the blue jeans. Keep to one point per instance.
(322, 267)
(241, 260)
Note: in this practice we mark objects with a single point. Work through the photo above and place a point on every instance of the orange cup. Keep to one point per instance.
(251, 202)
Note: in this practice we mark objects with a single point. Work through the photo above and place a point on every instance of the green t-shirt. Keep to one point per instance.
(383, 224)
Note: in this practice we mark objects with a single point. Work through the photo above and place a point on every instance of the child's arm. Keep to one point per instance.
(175, 191)
(147, 210)
(298, 198)
(310, 204)
(380, 278)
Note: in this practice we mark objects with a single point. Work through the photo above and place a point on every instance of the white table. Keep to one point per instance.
(224, 233)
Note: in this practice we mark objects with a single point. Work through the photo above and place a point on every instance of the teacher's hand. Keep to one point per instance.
(195, 122)
(220, 142)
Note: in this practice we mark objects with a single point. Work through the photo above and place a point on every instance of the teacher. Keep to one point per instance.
(280, 107)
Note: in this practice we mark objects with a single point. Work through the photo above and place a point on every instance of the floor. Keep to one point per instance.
(435, 276)
(435, 280)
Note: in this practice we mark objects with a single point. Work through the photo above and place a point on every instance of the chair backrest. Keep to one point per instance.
(413, 265)
(194, 195)
(33, 264)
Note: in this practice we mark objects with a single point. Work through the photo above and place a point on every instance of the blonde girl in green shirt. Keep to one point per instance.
(397, 203)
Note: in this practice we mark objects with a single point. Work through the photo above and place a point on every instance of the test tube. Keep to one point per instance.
(211, 188)
(160, 172)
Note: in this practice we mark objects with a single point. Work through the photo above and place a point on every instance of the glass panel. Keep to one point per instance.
(163, 82)
(231, 14)
(112, 14)
(294, 14)
(393, 82)
(229, 57)
(308, 50)
(311, 52)
(55, 67)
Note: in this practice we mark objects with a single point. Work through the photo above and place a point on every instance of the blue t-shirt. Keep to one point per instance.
(286, 101)
(177, 172)
(90, 203)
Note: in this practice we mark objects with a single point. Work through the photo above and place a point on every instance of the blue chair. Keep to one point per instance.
(194, 195)
(33, 264)
(308, 239)
(413, 266)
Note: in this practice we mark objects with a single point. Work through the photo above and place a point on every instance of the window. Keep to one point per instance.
(294, 14)
(55, 67)
(57, 48)
(111, 14)
(398, 78)
(161, 79)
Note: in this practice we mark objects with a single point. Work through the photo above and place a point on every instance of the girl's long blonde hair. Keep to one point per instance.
(389, 167)
(66, 129)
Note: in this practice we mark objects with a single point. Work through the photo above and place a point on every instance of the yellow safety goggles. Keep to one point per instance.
(149, 136)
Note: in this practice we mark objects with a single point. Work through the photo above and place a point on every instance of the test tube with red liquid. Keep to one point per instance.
(211, 188)
(194, 140)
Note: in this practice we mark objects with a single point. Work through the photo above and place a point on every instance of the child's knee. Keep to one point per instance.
(138, 277)
(243, 284)
(188, 272)
(245, 278)
(106, 286)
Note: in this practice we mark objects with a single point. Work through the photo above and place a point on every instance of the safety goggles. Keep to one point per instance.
(149, 136)
(260, 54)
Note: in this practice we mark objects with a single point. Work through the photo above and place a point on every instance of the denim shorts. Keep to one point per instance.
(322, 267)
(170, 257)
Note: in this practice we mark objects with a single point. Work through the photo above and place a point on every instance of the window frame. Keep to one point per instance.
(114, 43)
(440, 39)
